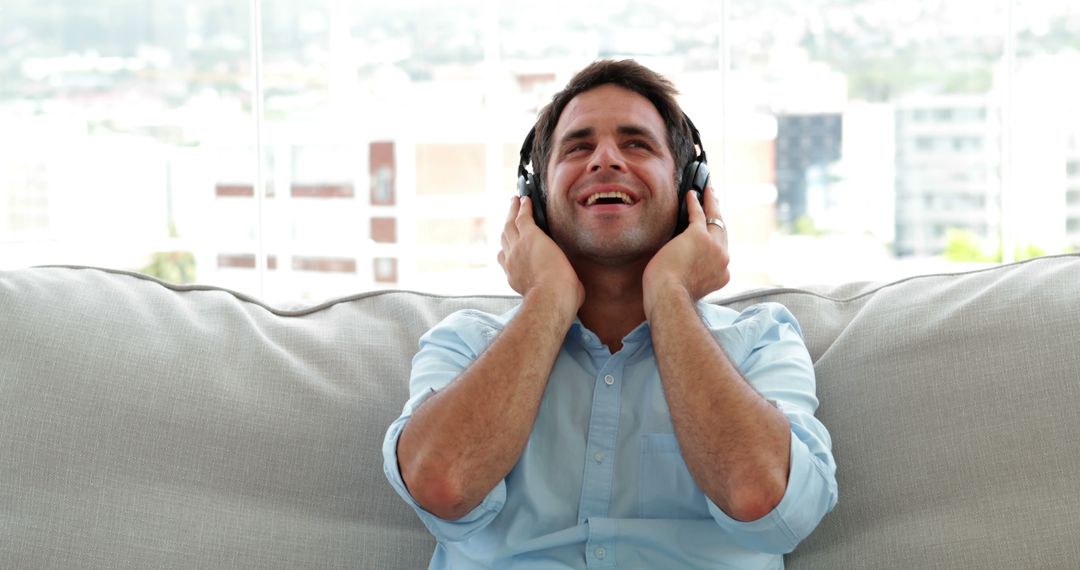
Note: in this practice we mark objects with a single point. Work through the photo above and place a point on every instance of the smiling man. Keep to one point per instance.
(612, 419)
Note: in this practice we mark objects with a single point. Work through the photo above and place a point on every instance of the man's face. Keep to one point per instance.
(611, 178)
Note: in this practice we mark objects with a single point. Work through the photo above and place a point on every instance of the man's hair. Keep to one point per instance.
(629, 75)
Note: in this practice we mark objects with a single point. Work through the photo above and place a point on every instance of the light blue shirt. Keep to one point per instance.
(601, 483)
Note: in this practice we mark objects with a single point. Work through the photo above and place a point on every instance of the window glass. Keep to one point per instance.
(849, 139)
(126, 138)
(1046, 123)
(898, 103)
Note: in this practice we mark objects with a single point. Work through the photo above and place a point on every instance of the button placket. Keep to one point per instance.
(601, 544)
(600, 443)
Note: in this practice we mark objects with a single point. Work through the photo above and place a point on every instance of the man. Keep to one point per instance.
(612, 419)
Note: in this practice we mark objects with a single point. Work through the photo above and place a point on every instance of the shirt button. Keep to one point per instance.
(609, 379)
(600, 552)
(599, 456)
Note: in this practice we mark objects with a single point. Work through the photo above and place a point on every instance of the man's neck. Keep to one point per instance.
(613, 302)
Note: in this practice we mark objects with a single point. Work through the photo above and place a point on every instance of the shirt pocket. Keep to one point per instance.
(666, 489)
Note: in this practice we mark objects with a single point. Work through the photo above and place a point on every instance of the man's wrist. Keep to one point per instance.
(557, 302)
(660, 293)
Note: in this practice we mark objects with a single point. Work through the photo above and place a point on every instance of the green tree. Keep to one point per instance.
(804, 226)
(964, 246)
(172, 266)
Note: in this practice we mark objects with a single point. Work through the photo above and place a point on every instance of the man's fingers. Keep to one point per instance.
(515, 202)
(524, 213)
(693, 208)
(711, 212)
(712, 202)
(510, 227)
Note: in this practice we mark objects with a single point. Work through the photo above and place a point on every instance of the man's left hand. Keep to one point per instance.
(694, 262)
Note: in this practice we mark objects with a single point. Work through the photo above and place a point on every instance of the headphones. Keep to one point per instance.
(695, 177)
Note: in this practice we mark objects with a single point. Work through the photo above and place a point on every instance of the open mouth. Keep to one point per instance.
(606, 198)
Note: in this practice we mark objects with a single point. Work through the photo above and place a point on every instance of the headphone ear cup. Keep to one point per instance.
(695, 177)
(527, 187)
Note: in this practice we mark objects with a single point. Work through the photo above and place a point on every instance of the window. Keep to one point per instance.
(385, 270)
(380, 146)
(381, 160)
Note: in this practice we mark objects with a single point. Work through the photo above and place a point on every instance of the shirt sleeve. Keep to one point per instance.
(776, 362)
(445, 351)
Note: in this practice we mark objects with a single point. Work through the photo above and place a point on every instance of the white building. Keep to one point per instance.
(947, 160)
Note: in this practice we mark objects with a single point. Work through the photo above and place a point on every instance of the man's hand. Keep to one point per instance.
(533, 262)
(693, 263)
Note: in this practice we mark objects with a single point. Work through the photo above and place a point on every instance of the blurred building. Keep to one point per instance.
(807, 146)
(1045, 123)
(856, 197)
(947, 159)
(1072, 192)
(410, 195)
(68, 195)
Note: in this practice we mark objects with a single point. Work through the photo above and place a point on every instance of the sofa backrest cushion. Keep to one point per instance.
(148, 426)
(953, 402)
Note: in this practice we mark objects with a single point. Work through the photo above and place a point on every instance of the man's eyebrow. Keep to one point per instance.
(624, 130)
(636, 131)
(582, 133)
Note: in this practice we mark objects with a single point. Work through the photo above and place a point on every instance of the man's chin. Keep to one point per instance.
(612, 251)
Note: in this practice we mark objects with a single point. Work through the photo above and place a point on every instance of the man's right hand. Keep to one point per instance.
(532, 261)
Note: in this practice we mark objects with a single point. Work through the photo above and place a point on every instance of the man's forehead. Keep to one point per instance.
(609, 106)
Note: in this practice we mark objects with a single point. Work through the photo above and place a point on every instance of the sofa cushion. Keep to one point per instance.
(153, 425)
(953, 402)
(144, 425)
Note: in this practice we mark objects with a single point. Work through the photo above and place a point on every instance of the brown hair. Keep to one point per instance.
(629, 75)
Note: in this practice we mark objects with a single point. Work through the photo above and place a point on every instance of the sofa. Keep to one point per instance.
(151, 425)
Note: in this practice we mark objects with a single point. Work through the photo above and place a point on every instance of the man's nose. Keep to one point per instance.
(606, 155)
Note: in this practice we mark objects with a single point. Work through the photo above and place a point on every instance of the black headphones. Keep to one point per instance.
(695, 177)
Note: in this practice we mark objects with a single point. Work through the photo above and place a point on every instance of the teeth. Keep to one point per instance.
(620, 195)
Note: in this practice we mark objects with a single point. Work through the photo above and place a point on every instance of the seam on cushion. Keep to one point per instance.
(768, 292)
(303, 311)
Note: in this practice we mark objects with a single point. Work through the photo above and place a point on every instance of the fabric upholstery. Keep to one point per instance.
(149, 425)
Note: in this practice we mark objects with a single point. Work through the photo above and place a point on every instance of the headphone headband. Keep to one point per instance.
(695, 136)
(526, 151)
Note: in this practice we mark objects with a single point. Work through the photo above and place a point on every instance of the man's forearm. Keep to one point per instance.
(734, 442)
(462, 441)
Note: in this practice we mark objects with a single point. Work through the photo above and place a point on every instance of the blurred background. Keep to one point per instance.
(299, 150)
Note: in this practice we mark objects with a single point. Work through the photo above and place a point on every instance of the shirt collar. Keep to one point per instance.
(584, 337)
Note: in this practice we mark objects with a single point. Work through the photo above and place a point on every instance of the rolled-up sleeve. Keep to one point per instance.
(779, 367)
(445, 351)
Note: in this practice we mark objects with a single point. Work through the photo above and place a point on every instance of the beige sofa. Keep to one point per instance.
(145, 425)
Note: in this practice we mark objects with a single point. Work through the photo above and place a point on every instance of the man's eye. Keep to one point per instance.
(577, 147)
(639, 144)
